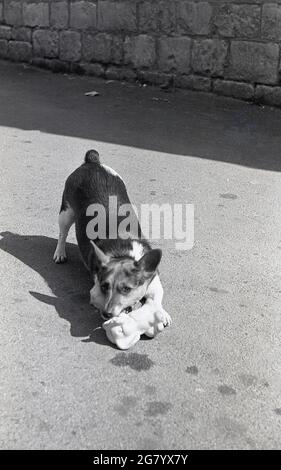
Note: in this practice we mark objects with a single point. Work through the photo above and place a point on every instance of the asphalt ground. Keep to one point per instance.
(211, 380)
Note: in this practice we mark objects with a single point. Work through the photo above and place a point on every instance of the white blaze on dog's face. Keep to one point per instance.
(122, 282)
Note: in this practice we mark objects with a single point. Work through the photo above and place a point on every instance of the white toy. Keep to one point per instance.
(126, 330)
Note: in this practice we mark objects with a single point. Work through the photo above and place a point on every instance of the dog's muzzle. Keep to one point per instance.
(107, 315)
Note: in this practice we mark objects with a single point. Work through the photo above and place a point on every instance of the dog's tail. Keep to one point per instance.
(92, 156)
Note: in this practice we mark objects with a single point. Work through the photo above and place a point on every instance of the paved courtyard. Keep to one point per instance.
(213, 379)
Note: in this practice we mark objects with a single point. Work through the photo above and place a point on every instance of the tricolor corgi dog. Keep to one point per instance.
(124, 270)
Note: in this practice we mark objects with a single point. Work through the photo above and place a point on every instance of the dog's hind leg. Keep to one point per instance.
(66, 219)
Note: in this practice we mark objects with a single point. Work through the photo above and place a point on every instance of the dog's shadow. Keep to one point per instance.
(69, 282)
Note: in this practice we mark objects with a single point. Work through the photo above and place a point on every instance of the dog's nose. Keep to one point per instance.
(106, 315)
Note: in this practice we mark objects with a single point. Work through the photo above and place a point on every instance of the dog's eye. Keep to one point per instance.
(126, 289)
(104, 287)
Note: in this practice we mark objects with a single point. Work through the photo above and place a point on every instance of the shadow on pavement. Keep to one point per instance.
(69, 282)
(180, 123)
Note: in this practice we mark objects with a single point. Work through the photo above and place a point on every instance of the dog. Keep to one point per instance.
(124, 271)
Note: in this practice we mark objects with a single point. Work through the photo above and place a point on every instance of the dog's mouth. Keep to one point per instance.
(107, 316)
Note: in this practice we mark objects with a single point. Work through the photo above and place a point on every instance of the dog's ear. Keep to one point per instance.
(46, 299)
(101, 256)
(149, 262)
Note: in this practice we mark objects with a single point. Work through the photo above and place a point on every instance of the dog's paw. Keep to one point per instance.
(59, 257)
(167, 320)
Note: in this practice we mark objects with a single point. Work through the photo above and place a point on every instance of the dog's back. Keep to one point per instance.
(94, 183)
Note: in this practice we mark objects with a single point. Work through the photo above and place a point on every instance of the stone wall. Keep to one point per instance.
(230, 47)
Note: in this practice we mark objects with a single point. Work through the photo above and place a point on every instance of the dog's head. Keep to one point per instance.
(121, 282)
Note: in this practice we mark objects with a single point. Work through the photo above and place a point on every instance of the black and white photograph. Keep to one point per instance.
(140, 228)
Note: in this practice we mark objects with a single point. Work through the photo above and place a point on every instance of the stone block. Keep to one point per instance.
(36, 14)
(117, 16)
(128, 74)
(45, 43)
(117, 49)
(5, 32)
(254, 62)
(244, 91)
(157, 17)
(268, 95)
(3, 48)
(174, 54)
(140, 51)
(13, 12)
(21, 34)
(97, 47)
(193, 82)
(154, 77)
(57, 66)
(209, 56)
(70, 46)
(238, 21)
(83, 15)
(19, 51)
(97, 70)
(59, 14)
(194, 18)
(271, 22)
(112, 73)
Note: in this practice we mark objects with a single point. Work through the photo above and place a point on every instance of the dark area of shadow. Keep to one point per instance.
(69, 282)
(181, 123)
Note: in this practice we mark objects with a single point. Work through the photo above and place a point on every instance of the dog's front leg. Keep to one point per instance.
(155, 292)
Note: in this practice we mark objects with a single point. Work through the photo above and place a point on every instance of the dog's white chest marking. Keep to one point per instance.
(137, 251)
